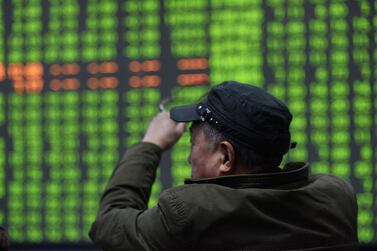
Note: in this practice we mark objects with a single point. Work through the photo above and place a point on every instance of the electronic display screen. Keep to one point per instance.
(80, 80)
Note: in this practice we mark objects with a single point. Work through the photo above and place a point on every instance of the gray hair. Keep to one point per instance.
(245, 157)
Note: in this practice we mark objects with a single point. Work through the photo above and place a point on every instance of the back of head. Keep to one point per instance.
(254, 121)
(247, 160)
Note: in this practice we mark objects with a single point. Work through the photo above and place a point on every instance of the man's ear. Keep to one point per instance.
(228, 164)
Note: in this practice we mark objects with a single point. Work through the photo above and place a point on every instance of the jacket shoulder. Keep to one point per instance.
(184, 205)
(333, 182)
(171, 201)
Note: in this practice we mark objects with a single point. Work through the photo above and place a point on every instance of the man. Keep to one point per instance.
(238, 197)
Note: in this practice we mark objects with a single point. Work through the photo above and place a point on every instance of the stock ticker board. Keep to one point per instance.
(80, 80)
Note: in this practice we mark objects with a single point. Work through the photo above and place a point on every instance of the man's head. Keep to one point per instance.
(237, 128)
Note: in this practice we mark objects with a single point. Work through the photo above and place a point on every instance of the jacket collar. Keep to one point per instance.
(292, 172)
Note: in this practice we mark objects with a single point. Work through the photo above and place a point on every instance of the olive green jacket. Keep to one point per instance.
(287, 210)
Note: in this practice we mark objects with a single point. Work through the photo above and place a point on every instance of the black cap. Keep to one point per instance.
(245, 114)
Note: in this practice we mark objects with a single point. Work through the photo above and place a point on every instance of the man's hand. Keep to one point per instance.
(163, 131)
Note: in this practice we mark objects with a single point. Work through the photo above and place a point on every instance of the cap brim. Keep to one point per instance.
(184, 113)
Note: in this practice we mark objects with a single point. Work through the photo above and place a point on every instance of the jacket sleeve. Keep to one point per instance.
(123, 221)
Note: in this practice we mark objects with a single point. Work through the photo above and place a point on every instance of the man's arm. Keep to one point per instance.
(123, 221)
